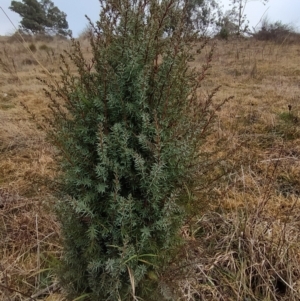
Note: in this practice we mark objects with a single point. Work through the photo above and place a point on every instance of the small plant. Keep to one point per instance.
(32, 47)
(289, 116)
(288, 125)
(129, 127)
(224, 33)
(44, 47)
(29, 62)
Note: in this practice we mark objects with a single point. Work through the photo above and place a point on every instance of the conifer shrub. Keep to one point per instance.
(129, 126)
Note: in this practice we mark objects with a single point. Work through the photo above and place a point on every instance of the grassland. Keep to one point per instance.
(244, 246)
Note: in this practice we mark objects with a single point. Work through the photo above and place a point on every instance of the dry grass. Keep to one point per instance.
(245, 246)
(239, 255)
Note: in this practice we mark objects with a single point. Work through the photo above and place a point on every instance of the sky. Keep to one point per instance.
(286, 11)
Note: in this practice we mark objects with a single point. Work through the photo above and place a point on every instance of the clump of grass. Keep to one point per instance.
(32, 47)
(29, 238)
(28, 61)
(288, 125)
(288, 118)
(8, 65)
(49, 51)
(44, 47)
(6, 106)
(239, 255)
(288, 184)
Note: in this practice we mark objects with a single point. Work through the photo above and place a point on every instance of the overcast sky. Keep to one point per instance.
(287, 11)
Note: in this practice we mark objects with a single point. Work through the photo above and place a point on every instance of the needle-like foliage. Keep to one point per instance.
(129, 126)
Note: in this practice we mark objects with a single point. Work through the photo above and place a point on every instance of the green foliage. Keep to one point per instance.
(224, 33)
(288, 125)
(202, 14)
(287, 117)
(41, 17)
(129, 126)
(235, 20)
